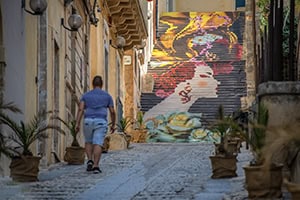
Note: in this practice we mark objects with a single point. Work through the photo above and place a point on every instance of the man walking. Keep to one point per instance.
(94, 105)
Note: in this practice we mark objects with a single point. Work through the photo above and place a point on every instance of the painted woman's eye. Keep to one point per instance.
(204, 76)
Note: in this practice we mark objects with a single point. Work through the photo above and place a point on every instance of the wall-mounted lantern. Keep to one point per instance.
(74, 21)
(120, 42)
(37, 6)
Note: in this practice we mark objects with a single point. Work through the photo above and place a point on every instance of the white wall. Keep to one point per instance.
(14, 46)
(13, 19)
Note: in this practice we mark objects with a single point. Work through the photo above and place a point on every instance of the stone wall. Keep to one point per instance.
(282, 100)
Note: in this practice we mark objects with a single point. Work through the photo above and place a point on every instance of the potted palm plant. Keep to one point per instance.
(24, 165)
(260, 183)
(140, 133)
(121, 139)
(75, 154)
(224, 160)
(123, 126)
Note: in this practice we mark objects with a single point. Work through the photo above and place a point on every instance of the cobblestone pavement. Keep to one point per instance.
(145, 171)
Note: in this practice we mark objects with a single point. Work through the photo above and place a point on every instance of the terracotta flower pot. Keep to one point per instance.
(25, 169)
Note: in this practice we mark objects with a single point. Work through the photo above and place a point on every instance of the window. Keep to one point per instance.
(239, 3)
(170, 5)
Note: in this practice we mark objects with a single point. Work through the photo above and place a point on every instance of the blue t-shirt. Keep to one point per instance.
(96, 103)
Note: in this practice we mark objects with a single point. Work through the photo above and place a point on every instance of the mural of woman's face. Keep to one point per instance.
(205, 82)
(192, 50)
(202, 85)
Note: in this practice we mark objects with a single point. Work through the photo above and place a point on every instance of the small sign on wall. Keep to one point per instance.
(127, 60)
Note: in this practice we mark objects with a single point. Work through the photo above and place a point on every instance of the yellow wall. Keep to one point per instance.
(197, 6)
(204, 5)
(58, 35)
(55, 35)
(31, 44)
(112, 79)
(99, 41)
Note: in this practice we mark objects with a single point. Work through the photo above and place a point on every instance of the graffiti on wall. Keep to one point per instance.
(193, 54)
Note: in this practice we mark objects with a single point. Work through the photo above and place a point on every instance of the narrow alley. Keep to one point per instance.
(144, 171)
(170, 82)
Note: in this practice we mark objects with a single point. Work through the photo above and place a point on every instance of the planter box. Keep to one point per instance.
(262, 184)
(294, 189)
(74, 155)
(223, 167)
(25, 169)
(117, 141)
(138, 136)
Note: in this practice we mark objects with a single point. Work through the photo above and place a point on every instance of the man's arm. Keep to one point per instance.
(79, 115)
(112, 118)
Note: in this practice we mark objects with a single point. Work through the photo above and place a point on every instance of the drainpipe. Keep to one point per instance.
(157, 18)
(73, 73)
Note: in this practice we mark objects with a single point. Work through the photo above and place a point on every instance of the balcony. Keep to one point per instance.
(127, 20)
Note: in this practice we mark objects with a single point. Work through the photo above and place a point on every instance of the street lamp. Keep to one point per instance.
(120, 42)
(37, 6)
(74, 21)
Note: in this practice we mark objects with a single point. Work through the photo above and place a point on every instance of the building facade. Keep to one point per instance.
(122, 66)
(46, 65)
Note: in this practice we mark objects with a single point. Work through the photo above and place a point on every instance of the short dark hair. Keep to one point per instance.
(97, 81)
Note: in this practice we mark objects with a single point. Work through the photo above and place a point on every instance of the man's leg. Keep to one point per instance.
(97, 150)
(89, 154)
(88, 136)
(98, 140)
(89, 150)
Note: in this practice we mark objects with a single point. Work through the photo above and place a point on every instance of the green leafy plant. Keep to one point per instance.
(225, 126)
(10, 106)
(124, 124)
(257, 137)
(264, 9)
(71, 126)
(140, 120)
(22, 135)
(4, 149)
